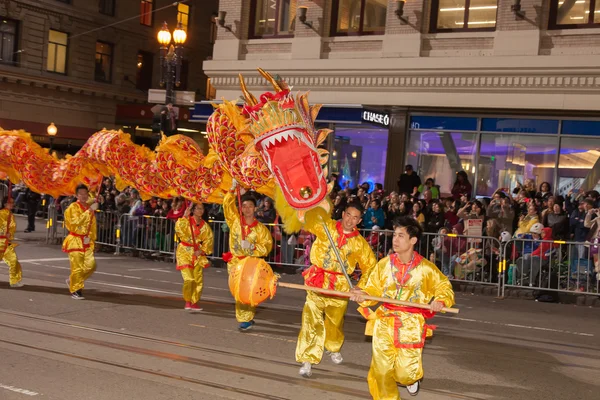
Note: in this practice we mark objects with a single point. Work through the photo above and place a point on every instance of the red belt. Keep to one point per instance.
(3, 237)
(187, 244)
(229, 256)
(77, 234)
(315, 277)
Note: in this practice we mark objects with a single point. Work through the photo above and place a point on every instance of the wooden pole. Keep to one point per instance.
(366, 297)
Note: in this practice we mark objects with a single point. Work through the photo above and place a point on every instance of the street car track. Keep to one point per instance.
(311, 383)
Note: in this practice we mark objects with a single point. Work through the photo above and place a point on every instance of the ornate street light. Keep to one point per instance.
(52, 130)
(170, 59)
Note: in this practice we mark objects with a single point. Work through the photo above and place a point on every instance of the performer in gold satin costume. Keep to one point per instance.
(8, 227)
(399, 332)
(323, 316)
(195, 242)
(256, 241)
(80, 220)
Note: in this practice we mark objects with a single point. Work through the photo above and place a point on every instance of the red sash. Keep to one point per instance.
(315, 277)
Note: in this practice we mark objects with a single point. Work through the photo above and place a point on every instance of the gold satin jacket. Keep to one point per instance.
(80, 221)
(256, 233)
(8, 227)
(422, 283)
(202, 240)
(353, 248)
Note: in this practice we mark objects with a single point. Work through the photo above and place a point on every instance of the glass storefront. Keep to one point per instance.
(503, 152)
(359, 154)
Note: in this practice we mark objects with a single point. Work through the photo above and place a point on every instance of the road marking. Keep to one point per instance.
(537, 328)
(18, 390)
(290, 308)
(150, 269)
(33, 260)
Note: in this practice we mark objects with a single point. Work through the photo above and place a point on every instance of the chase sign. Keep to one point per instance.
(376, 118)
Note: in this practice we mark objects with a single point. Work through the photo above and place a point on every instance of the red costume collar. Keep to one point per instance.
(402, 270)
(343, 237)
(84, 207)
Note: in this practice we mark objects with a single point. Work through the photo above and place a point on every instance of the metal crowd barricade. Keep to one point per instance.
(552, 266)
(3, 191)
(149, 235)
(468, 259)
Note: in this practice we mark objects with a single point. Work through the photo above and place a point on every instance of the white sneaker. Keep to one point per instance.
(17, 285)
(306, 370)
(414, 388)
(336, 357)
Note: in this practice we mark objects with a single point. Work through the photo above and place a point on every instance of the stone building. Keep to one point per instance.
(506, 90)
(88, 64)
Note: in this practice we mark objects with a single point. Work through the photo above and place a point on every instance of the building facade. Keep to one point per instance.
(506, 90)
(88, 64)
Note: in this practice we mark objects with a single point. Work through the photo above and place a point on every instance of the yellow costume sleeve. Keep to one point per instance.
(206, 238)
(79, 221)
(230, 209)
(183, 230)
(264, 241)
(366, 260)
(375, 283)
(437, 286)
(314, 225)
(12, 227)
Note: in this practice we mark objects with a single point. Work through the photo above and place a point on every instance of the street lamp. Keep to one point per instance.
(52, 131)
(170, 59)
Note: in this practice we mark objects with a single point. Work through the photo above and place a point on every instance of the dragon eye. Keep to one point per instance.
(306, 192)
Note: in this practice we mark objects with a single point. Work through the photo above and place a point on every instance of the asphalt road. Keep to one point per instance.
(132, 339)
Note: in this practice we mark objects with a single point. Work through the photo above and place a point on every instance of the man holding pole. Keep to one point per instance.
(80, 220)
(248, 238)
(400, 331)
(337, 250)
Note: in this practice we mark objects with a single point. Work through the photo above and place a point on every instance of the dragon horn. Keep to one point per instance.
(250, 99)
(270, 79)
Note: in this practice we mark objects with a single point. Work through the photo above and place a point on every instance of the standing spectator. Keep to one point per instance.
(462, 186)
(33, 200)
(558, 221)
(430, 185)
(545, 190)
(374, 216)
(409, 182)
(578, 230)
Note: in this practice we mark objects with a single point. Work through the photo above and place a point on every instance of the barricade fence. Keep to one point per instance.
(552, 266)
(556, 266)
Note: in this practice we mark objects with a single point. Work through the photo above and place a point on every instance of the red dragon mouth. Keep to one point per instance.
(294, 161)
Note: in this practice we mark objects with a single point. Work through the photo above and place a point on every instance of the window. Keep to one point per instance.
(462, 15)
(107, 7)
(57, 52)
(146, 12)
(506, 160)
(359, 154)
(8, 41)
(143, 79)
(574, 13)
(578, 163)
(183, 15)
(273, 17)
(104, 54)
(359, 17)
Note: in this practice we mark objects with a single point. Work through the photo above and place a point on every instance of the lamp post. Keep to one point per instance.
(170, 59)
(52, 131)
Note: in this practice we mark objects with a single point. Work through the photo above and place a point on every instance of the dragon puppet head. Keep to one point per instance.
(286, 138)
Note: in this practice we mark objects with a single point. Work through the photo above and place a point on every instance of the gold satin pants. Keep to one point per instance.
(322, 327)
(83, 265)
(193, 282)
(14, 267)
(391, 366)
(243, 312)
